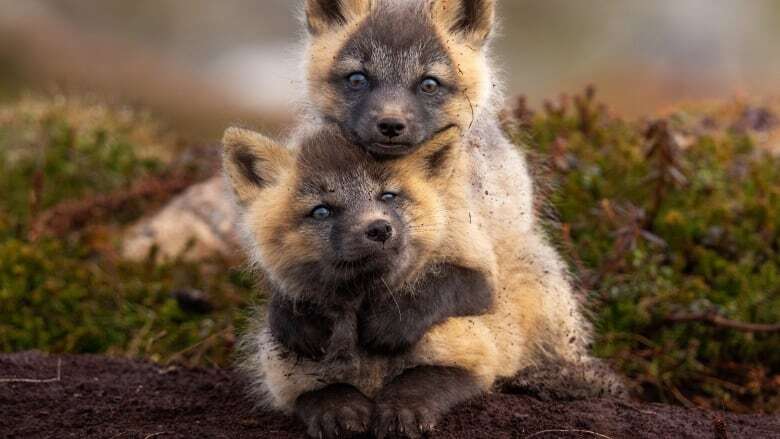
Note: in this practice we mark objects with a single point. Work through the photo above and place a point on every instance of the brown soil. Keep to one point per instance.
(99, 397)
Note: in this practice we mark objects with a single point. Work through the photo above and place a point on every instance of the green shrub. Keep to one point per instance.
(664, 222)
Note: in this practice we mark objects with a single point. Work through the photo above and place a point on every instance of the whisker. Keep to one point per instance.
(393, 296)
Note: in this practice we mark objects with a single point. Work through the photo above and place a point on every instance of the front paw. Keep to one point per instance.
(338, 410)
(403, 419)
(413, 403)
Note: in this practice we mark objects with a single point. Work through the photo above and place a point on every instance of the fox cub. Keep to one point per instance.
(408, 267)
(392, 74)
(362, 258)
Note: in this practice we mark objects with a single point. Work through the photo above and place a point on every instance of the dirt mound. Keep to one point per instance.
(99, 397)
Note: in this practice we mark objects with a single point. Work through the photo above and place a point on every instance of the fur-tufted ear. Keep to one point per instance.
(471, 20)
(438, 156)
(252, 161)
(324, 15)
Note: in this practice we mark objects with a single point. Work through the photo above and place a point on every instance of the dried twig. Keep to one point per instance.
(558, 109)
(715, 319)
(206, 341)
(587, 111)
(522, 113)
(29, 380)
(569, 431)
(36, 192)
(584, 273)
(471, 106)
(664, 153)
(628, 221)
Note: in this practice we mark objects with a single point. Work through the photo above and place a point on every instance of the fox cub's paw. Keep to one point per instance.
(404, 419)
(412, 404)
(338, 410)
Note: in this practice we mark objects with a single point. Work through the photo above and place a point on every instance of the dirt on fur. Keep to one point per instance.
(85, 396)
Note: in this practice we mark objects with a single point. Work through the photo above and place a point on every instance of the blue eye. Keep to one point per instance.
(429, 85)
(357, 81)
(388, 196)
(321, 213)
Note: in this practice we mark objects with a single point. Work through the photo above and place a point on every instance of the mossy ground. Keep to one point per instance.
(69, 291)
(661, 221)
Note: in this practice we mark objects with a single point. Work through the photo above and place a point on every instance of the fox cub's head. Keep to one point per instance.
(326, 215)
(392, 73)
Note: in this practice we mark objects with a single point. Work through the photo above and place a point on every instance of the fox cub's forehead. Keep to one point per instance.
(329, 164)
(394, 43)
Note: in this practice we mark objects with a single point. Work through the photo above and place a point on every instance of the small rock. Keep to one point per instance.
(198, 224)
(193, 300)
(756, 119)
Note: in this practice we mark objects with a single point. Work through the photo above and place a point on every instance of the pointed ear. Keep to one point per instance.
(471, 20)
(438, 156)
(324, 15)
(252, 161)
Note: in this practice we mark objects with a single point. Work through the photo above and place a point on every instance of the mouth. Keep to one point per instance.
(348, 271)
(353, 263)
(389, 149)
(376, 263)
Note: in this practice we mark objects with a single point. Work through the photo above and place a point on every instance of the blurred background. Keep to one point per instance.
(203, 62)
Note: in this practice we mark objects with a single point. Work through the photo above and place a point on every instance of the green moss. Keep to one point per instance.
(58, 297)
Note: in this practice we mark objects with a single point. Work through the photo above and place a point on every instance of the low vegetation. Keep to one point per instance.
(63, 287)
(672, 228)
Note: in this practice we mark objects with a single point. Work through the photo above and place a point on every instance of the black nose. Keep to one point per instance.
(391, 127)
(379, 231)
